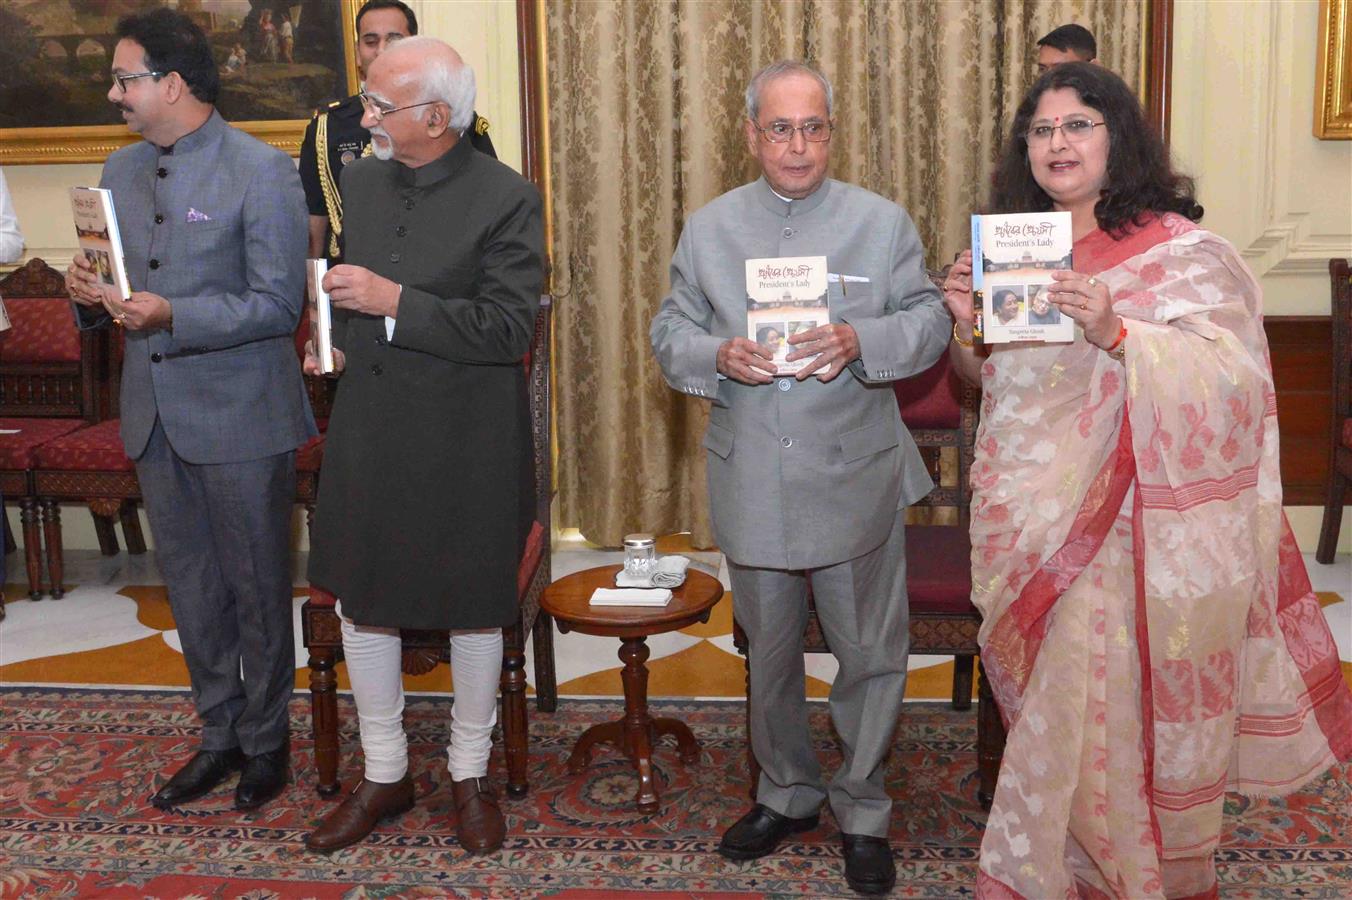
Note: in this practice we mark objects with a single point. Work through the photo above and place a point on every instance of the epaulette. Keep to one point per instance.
(480, 126)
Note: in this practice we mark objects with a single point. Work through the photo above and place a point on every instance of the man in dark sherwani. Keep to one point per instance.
(427, 493)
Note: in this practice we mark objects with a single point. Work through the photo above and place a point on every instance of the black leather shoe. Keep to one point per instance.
(759, 832)
(869, 868)
(198, 777)
(264, 777)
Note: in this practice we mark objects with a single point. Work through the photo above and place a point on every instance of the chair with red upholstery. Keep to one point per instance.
(423, 650)
(940, 410)
(1340, 443)
(51, 384)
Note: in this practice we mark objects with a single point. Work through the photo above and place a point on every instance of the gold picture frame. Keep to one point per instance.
(93, 143)
(1333, 76)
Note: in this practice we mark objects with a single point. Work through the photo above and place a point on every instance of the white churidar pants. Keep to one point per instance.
(373, 656)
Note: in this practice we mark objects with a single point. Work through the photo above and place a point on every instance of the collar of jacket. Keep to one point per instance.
(206, 133)
(786, 208)
(439, 169)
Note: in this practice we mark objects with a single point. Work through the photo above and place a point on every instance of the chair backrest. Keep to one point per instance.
(940, 410)
(48, 367)
(1340, 288)
(538, 385)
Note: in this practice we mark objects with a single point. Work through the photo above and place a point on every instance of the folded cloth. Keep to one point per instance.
(630, 597)
(668, 572)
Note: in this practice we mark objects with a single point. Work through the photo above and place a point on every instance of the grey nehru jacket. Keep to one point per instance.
(804, 474)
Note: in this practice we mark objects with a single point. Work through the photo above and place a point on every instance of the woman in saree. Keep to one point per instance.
(1150, 633)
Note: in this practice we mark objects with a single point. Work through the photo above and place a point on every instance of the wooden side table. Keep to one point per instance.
(567, 600)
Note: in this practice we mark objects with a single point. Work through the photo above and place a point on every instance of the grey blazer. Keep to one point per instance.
(804, 474)
(218, 227)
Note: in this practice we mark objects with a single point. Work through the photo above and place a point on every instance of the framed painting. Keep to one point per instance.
(1333, 72)
(279, 60)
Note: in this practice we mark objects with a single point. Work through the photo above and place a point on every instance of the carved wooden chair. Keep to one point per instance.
(424, 649)
(51, 384)
(941, 412)
(1340, 443)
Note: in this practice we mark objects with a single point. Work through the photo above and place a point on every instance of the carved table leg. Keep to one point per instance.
(131, 528)
(685, 740)
(637, 724)
(106, 533)
(51, 530)
(546, 681)
(32, 545)
(324, 719)
(606, 733)
(990, 740)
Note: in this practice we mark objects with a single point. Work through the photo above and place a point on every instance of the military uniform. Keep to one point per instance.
(338, 130)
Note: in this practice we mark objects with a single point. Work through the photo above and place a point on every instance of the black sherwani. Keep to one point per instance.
(427, 490)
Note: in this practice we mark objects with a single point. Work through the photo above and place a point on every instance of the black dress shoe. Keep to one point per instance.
(760, 831)
(198, 777)
(869, 868)
(264, 777)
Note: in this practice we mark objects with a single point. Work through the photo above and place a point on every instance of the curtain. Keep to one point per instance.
(645, 110)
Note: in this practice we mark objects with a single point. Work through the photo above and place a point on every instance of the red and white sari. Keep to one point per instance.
(1150, 631)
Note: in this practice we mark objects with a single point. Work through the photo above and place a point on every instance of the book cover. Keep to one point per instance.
(1013, 257)
(321, 313)
(96, 231)
(784, 296)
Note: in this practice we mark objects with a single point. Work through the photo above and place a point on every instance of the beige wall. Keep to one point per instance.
(484, 31)
(1243, 113)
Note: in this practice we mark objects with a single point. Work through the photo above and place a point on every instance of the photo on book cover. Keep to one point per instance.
(96, 232)
(1013, 257)
(785, 296)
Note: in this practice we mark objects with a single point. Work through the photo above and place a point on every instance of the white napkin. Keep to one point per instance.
(630, 597)
(668, 572)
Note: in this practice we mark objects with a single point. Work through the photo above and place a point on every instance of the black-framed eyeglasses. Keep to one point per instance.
(1074, 130)
(782, 132)
(379, 109)
(121, 80)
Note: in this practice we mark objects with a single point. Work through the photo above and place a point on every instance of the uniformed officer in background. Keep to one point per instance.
(335, 136)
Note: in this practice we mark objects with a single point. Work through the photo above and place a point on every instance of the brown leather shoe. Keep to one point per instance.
(354, 818)
(478, 820)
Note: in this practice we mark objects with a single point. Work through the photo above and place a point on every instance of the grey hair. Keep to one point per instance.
(440, 80)
(779, 70)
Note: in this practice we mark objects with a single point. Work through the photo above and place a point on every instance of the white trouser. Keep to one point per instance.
(373, 656)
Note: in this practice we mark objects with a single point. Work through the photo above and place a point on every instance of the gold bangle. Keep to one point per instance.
(958, 339)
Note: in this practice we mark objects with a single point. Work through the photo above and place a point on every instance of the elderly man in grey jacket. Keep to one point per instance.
(213, 406)
(809, 474)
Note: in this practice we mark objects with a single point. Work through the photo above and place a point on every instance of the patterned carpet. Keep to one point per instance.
(76, 767)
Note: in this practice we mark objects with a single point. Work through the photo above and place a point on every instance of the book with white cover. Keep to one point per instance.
(96, 230)
(784, 296)
(630, 597)
(321, 313)
(1013, 257)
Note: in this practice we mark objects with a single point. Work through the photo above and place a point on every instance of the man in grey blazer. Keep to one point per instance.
(809, 475)
(213, 407)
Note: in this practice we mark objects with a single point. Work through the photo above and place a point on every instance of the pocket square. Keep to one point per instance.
(196, 215)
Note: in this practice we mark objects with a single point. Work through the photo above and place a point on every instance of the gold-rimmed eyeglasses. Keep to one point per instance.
(782, 132)
(1074, 131)
(379, 109)
(120, 79)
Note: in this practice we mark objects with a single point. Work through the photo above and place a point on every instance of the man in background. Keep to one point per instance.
(213, 406)
(1068, 43)
(809, 476)
(335, 136)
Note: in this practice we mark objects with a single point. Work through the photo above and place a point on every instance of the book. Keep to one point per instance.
(321, 313)
(630, 597)
(96, 231)
(784, 296)
(1013, 257)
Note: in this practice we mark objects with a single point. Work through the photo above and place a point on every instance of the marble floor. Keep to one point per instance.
(113, 627)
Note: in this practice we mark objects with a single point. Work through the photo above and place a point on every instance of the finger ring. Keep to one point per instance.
(1092, 281)
(1084, 305)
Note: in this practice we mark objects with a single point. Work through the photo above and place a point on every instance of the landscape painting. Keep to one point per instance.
(278, 60)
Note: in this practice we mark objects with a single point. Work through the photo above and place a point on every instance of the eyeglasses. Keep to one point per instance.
(379, 109)
(1074, 131)
(782, 132)
(121, 80)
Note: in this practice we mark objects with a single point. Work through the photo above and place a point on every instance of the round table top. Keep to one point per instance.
(568, 601)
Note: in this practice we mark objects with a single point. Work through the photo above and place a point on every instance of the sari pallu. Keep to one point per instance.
(1150, 632)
